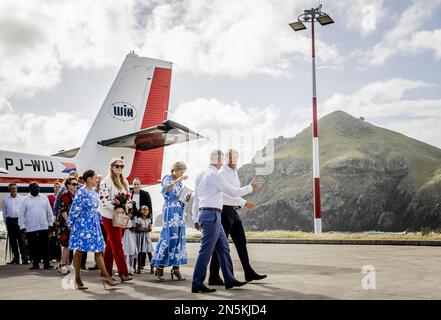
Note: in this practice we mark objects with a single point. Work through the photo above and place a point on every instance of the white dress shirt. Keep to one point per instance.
(37, 214)
(233, 179)
(12, 207)
(209, 187)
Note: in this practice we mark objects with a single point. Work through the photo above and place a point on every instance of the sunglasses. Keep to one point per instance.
(118, 166)
(74, 184)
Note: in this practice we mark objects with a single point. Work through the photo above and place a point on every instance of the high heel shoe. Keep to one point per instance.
(109, 282)
(177, 273)
(159, 273)
(125, 278)
(79, 287)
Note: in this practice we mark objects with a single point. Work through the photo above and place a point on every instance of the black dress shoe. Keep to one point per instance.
(256, 277)
(93, 268)
(202, 289)
(216, 282)
(236, 283)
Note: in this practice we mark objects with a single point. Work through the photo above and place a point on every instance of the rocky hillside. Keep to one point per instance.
(371, 179)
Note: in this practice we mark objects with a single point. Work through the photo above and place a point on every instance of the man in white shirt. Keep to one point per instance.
(207, 205)
(36, 219)
(12, 209)
(232, 223)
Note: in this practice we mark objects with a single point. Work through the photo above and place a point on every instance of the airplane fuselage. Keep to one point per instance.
(24, 168)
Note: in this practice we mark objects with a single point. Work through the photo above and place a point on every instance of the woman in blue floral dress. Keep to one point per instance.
(84, 221)
(171, 250)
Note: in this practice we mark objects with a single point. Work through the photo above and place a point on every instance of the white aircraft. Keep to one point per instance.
(131, 124)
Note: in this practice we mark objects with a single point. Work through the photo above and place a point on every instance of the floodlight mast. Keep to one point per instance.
(312, 15)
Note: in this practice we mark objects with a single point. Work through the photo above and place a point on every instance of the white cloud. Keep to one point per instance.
(40, 134)
(406, 36)
(5, 106)
(246, 129)
(39, 38)
(363, 16)
(233, 38)
(230, 37)
(426, 40)
(384, 102)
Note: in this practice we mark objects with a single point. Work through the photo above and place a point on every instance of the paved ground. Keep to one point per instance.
(295, 271)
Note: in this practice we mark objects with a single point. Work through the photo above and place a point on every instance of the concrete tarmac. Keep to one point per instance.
(295, 271)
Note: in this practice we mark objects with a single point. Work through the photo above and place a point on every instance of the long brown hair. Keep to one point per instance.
(121, 182)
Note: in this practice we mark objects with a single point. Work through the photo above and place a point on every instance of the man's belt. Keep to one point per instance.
(233, 207)
(210, 209)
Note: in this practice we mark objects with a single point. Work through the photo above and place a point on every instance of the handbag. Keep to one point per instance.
(120, 219)
(64, 238)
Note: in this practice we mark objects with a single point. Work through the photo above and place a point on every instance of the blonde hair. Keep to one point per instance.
(178, 166)
(121, 182)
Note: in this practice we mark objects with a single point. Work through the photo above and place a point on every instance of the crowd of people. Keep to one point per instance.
(107, 217)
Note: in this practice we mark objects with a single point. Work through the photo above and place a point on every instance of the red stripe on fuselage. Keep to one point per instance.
(29, 180)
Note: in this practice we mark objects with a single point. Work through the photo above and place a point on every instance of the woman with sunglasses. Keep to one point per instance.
(66, 200)
(110, 186)
(84, 221)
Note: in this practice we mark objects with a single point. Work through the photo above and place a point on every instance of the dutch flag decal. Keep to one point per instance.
(68, 167)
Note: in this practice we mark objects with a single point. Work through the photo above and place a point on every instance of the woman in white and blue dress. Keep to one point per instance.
(170, 249)
(84, 221)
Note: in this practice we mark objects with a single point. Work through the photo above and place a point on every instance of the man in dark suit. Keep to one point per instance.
(141, 198)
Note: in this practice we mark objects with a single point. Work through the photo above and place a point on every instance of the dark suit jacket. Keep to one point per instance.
(144, 200)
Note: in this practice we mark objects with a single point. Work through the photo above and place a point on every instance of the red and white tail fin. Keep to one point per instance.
(147, 165)
(138, 99)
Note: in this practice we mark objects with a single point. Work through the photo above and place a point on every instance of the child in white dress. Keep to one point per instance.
(143, 227)
(129, 241)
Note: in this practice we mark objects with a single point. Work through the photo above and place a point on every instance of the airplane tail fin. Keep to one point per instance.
(138, 99)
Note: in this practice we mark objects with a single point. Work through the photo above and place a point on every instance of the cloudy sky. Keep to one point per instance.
(237, 65)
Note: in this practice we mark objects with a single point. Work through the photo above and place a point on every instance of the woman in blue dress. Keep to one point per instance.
(171, 250)
(84, 221)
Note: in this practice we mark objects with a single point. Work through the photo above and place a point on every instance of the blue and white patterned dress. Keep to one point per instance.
(84, 221)
(171, 249)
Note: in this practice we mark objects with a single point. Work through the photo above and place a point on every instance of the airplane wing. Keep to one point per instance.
(67, 153)
(165, 134)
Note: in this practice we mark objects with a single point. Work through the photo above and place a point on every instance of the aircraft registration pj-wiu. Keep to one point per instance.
(131, 124)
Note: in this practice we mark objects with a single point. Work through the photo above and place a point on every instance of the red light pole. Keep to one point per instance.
(312, 15)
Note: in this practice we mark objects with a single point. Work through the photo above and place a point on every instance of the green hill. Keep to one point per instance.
(371, 179)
